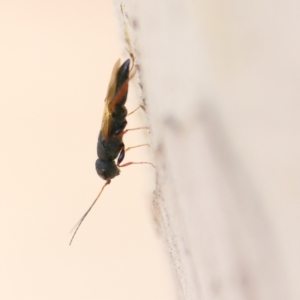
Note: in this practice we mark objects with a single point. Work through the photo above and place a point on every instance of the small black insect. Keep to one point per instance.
(110, 145)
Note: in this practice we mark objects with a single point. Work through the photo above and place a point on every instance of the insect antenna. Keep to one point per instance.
(83, 217)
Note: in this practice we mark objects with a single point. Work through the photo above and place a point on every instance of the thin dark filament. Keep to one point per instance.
(83, 217)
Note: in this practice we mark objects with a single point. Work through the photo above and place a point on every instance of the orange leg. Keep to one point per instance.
(129, 148)
(136, 163)
(125, 131)
(140, 106)
(122, 155)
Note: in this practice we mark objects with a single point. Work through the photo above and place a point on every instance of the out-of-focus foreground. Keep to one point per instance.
(221, 81)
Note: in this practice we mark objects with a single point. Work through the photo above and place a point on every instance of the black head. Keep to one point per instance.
(107, 169)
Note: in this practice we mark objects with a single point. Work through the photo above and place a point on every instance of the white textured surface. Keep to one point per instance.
(221, 82)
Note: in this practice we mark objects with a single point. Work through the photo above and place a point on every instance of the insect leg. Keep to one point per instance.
(136, 163)
(129, 148)
(118, 135)
(140, 106)
(133, 62)
(122, 155)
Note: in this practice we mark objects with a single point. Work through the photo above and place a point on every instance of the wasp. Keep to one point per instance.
(110, 147)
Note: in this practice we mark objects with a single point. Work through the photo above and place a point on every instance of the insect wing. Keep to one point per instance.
(106, 120)
(113, 82)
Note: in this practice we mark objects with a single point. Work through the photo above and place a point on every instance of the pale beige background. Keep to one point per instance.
(56, 58)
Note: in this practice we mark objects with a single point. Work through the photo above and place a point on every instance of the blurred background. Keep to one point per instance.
(56, 58)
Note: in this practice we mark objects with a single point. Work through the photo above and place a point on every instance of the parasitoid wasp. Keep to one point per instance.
(110, 146)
